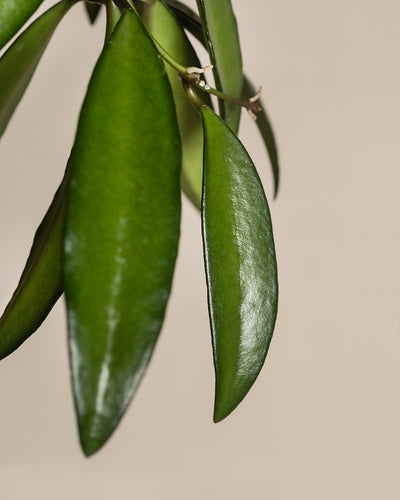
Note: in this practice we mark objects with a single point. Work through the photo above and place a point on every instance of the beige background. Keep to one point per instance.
(322, 421)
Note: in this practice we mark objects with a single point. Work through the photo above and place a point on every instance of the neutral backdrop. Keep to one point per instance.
(322, 421)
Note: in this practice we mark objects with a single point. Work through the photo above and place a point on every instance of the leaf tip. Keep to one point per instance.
(219, 416)
(223, 407)
(94, 433)
(91, 444)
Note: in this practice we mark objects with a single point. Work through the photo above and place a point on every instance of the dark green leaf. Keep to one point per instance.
(240, 264)
(18, 64)
(41, 282)
(221, 34)
(13, 15)
(93, 10)
(122, 227)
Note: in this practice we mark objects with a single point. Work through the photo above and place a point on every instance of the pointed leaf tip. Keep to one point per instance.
(40, 284)
(240, 263)
(92, 10)
(19, 62)
(122, 227)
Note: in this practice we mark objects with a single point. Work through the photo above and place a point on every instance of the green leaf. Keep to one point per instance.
(240, 264)
(188, 19)
(222, 37)
(191, 22)
(113, 15)
(122, 227)
(267, 133)
(13, 15)
(18, 64)
(40, 285)
(164, 27)
(92, 10)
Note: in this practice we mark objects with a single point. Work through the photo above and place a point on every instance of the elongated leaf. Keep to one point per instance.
(40, 285)
(92, 10)
(221, 34)
(163, 25)
(122, 227)
(13, 15)
(240, 264)
(267, 133)
(18, 64)
(189, 19)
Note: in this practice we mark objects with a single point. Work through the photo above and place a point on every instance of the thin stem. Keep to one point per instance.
(191, 76)
(251, 105)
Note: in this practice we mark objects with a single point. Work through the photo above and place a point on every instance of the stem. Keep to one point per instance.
(251, 105)
(189, 74)
(191, 95)
(191, 77)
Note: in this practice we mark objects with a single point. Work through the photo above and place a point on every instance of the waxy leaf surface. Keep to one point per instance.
(222, 38)
(240, 263)
(19, 62)
(41, 281)
(13, 15)
(122, 227)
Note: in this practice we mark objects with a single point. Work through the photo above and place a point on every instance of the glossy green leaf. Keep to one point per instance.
(163, 25)
(92, 10)
(264, 126)
(18, 64)
(40, 285)
(122, 227)
(13, 15)
(222, 37)
(240, 264)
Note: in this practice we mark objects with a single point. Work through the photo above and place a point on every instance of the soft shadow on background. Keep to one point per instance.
(322, 420)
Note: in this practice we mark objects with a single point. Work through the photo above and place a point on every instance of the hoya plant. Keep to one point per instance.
(148, 129)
